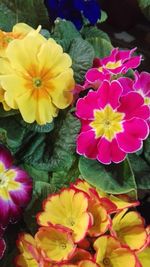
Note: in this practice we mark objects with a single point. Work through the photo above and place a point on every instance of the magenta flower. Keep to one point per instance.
(119, 61)
(15, 189)
(112, 125)
(142, 85)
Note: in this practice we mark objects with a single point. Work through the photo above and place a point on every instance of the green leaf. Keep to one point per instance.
(101, 46)
(63, 179)
(65, 143)
(114, 179)
(82, 55)
(7, 18)
(145, 7)
(147, 149)
(64, 33)
(93, 32)
(32, 12)
(11, 133)
(4, 113)
(141, 171)
(38, 128)
(36, 174)
(103, 17)
(41, 191)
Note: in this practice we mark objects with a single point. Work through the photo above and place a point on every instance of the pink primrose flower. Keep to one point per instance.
(119, 61)
(15, 189)
(112, 125)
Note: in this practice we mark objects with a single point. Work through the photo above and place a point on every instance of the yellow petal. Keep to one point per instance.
(144, 257)
(62, 91)
(22, 28)
(122, 257)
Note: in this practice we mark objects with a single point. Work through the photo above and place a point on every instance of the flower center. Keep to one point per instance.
(106, 262)
(63, 245)
(37, 82)
(107, 122)
(113, 65)
(70, 221)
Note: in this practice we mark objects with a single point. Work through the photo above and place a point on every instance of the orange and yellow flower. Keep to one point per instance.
(69, 209)
(110, 253)
(19, 31)
(129, 228)
(37, 78)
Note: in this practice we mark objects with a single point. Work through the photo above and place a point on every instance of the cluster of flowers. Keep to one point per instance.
(15, 193)
(115, 113)
(32, 69)
(85, 227)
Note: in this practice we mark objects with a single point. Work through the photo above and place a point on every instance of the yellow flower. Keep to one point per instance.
(109, 253)
(129, 229)
(19, 31)
(87, 263)
(37, 78)
(56, 243)
(69, 209)
(29, 254)
(5, 106)
(144, 257)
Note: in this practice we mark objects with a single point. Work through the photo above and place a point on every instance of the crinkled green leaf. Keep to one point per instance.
(64, 32)
(141, 171)
(4, 113)
(32, 12)
(101, 46)
(11, 133)
(103, 17)
(82, 55)
(38, 128)
(36, 173)
(115, 179)
(93, 32)
(61, 179)
(7, 17)
(41, 191)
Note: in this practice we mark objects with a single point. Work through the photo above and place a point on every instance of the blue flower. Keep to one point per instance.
(73, 10)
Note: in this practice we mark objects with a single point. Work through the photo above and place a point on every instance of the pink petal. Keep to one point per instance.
(2, 247)
(5, 157)
(4, 212)
(135, 130)
(127, 85)
(104, 152)
(111, 57)
(85, 106)
(109, 152)
(132, 105)
(142, 82)
(94, 76)
(87, 144)
(109, 93)
(124, 54)
(132, 63)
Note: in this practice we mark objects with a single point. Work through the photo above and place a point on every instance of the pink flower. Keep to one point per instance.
(15, 189)
(112, 125)
(119, 61)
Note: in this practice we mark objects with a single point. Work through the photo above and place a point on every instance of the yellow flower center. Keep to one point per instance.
(63, 245)
(111, 65)
(106, 262)
(37, 82)
(107, 123)
(147, 101)
(70, 221)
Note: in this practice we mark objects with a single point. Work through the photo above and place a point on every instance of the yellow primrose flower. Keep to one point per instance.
(144, 257)
(109, 253)
(29, 254)
(129, 229)
(69, 209)
(56, 243)
(37, 78)
(19, 31)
